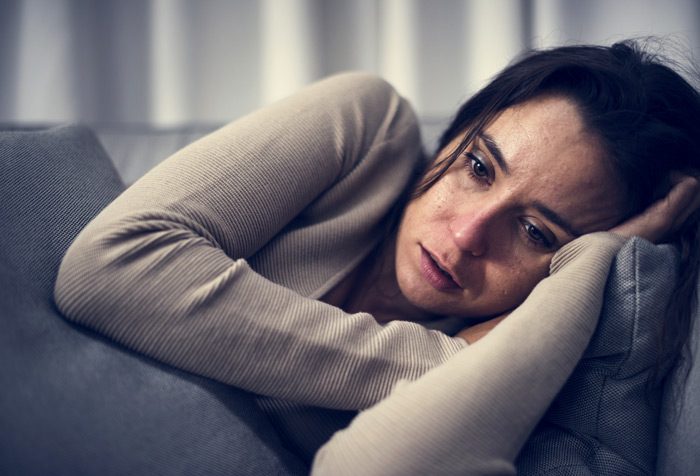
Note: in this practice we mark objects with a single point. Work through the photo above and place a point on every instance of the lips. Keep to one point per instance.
(435, 274)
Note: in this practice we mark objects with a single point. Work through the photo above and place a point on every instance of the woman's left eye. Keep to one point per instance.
(535, 235)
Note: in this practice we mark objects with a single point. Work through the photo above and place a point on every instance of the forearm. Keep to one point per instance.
(164, 270)
(472, 414)
(218, 318)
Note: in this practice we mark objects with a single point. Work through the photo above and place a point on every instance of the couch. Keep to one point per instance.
(74, 403)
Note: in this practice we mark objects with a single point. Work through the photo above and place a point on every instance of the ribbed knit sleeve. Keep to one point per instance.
(300, 189)
(472, 414)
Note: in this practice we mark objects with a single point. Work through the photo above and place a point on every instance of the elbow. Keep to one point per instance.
(126, 276)
(326, 463)
(96, 276)
(77, 288)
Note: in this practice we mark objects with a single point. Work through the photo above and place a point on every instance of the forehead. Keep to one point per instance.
(553, 159)
(547, 125)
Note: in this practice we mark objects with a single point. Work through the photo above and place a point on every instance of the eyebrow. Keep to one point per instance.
(550, 214)
(555, 218)
(495, 151)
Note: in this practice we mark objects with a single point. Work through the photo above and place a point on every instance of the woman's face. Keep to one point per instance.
(534, 180)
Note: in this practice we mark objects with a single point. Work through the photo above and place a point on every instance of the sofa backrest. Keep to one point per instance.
(71, 402)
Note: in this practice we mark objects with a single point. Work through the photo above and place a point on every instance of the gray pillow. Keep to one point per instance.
(71, 402)
(679, 432)
(605, 420)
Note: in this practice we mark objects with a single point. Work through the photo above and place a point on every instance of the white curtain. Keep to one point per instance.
(169, 62)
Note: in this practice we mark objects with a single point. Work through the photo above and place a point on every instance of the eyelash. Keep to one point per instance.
(543, 242)
(525, 226)
(471, 159)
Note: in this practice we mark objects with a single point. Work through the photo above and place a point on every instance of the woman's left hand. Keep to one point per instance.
(665, 216)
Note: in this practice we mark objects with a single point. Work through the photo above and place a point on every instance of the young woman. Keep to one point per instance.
(303, 252)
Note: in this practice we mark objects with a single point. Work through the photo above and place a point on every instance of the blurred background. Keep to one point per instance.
(175, 63)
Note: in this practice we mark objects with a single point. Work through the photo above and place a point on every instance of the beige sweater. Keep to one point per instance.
(213, 261)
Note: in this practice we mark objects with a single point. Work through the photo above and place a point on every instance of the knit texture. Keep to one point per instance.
(605, 419)
(211, 263)
(472, 414)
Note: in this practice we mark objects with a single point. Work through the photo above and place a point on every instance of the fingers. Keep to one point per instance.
(668, 214)
(684, 200)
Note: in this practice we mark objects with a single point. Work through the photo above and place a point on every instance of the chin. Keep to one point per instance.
(458, 305)
(430, 300)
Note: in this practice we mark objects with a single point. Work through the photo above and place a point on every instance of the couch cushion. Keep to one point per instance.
(679, 445)
(605, 419)
(71, 402)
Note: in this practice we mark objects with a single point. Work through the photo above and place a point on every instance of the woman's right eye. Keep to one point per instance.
(476, 167)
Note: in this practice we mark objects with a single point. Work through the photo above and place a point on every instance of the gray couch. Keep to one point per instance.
(74, 403)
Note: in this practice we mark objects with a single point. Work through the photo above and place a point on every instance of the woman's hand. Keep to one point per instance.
(661, 219)
(665, 216)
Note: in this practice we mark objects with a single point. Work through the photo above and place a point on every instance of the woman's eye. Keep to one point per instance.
(477, 167)
(536, 235)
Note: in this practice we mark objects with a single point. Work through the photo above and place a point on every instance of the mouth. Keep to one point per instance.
(436, 274)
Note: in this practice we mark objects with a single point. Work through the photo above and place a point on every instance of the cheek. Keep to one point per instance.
(431, 207)
(513, 282)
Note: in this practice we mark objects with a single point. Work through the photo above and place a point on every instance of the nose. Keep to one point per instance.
(471, 230)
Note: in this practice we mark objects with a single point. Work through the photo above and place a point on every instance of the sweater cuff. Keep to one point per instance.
(609, 243)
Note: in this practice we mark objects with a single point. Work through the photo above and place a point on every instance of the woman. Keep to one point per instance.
(284, 253)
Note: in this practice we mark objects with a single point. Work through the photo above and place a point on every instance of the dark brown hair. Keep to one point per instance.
(647, 117)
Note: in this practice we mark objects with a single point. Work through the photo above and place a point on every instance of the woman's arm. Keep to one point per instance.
(472, 414)
(165, 269)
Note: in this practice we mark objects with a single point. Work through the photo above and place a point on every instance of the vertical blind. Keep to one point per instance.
(168, 62)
